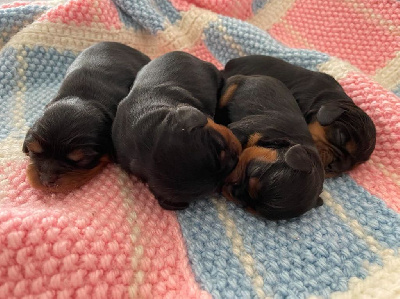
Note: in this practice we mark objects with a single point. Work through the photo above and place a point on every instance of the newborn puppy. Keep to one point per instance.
(343, 133)
(279, 174)
(71, 142)
(164, 133)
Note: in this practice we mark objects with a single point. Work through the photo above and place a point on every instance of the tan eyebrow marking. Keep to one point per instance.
(76, 155)
(35, 147)
(255, 152)
(253, 139)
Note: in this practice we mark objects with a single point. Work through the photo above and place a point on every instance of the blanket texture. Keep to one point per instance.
(110, 239)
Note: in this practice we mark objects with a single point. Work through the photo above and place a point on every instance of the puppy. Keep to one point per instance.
(279, 174)
(164, 131)
(343, 133)
(71, 142)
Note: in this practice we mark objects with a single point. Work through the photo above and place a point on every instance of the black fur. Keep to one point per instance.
(162, 135)
(290, 185)
(320, 98)
(81, 115)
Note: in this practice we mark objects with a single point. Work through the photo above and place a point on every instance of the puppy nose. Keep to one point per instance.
(48, 180)
(236, 191)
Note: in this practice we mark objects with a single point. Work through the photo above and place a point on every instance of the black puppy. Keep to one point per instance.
(164, 133)
(71, 142)
(279, 174)
(343, 133)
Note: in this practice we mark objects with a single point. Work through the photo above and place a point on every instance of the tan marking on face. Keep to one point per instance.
(35, 147)
(226, 97)
(255, 152)
(253, 139)
(231, 140)
(68, 181)
(351, 147)
(254, 187)
(76, 155)
(318, 134)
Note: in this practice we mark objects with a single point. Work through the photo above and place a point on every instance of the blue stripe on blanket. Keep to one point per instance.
(144, 13)
(168, 10)
(379, 221)
(45, 70)
(128, 21)
(396, 90)
(215, 266)
(8, 86)
(315, 254)
(13, 19)
(229, 38)
(257, 5)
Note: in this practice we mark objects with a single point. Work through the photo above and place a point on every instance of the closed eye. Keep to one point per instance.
(82, 157)
(85, 161)
(341, 138)
(36, 155)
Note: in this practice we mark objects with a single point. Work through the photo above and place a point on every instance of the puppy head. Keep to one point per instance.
(277, 183)
(344, 135)
(67, 146)
(192, 157)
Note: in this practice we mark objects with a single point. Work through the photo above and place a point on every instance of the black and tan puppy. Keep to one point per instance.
(71, 142)
(343, 133)
(164, 132)
(279, 174)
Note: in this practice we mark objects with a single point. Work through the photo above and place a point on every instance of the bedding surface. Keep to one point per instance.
(110, 238)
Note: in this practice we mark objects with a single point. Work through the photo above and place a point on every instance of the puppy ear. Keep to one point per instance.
(25, 148)
(297, 158)
(27, 139)
(320, 202)
(190, 118)
(327, 114)
(229, 89)
(31, 144)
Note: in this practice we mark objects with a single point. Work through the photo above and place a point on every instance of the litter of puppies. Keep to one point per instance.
(263, 132)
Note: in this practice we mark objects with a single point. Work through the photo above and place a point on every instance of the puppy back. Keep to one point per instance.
(103, 73)
(199, 78)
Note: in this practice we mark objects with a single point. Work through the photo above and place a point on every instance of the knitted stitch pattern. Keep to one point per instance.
(110, 238)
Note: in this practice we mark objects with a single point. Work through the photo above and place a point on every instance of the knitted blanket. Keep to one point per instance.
(110, 238)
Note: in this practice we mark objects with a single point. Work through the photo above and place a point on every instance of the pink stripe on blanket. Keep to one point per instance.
(237, 9)
(371, 178)
(85, 13)
(383, 107)
(76, 245)
(20, 3)
(385, 11)
(286, 35)
(341, 30)
(201, 51)
(161, 264)
(380, 176)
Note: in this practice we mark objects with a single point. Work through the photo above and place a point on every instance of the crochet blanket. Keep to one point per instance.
(110, 238)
